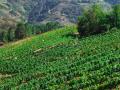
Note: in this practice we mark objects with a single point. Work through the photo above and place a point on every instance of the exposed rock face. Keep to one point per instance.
(59, 10)
(54, 10)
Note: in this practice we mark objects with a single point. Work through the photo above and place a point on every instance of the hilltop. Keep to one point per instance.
(60, 60)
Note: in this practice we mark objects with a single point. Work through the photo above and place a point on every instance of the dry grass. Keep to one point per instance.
(5, 75)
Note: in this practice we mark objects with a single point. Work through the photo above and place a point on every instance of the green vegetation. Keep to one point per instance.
(24, 30)
(59, 59)
(56, 60)
(20, 31)
(116, 16)
(95, 20)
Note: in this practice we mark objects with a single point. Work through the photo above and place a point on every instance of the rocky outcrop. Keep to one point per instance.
(64, 11)
(54, 10)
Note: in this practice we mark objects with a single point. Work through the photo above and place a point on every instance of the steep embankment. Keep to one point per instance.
(59, 60)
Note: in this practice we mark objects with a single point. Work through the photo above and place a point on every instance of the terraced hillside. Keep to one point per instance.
(59, 60)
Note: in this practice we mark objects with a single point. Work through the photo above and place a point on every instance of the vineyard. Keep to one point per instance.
(58, 60)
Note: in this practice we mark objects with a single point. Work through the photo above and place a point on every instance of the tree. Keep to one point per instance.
(52, 25)
(29, 29)
(20, 31)
(92, 22)
(4, 36)
(11, 34)
(116, 16)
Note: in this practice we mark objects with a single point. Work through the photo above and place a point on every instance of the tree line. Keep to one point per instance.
(95, 20)
(23, 30)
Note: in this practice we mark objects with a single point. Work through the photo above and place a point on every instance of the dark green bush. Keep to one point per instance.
(92, 22)
(95, 20)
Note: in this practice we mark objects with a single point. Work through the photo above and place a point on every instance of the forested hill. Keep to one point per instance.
(45, 10)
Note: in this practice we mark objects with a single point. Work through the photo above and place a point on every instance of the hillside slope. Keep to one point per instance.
(59, 60)
(10, 13)
(36, 11)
